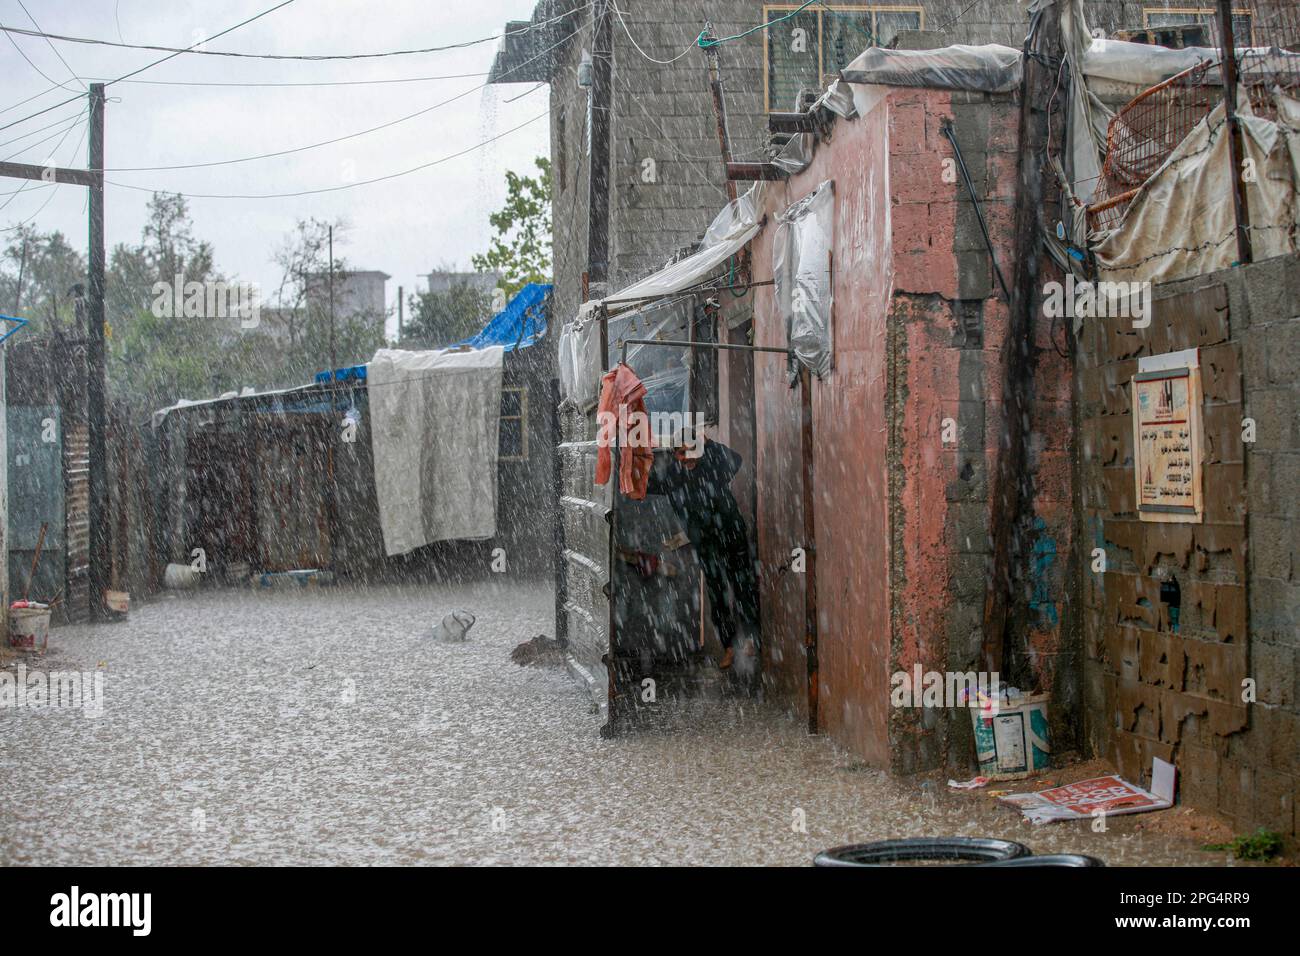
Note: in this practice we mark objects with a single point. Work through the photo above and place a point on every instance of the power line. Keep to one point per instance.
(331, 189)
(41, 129)
(176, 51)
(637, 46)
(340, 139)
(78, 120)
(23, 54)
(406, 79)
(27, 182)
(705, 42)
(148, 66)
(71, 72)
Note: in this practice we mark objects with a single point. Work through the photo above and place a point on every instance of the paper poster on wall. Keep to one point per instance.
(1167, 437)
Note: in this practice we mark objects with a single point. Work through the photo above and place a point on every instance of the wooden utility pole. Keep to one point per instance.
(93, 178)
(333, 358)
(96, 384)
(400, 312)
(22, 268)
(712, 52)
(1227, 46)
(602, 69)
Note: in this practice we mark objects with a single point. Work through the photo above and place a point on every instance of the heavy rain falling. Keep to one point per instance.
(597, 432)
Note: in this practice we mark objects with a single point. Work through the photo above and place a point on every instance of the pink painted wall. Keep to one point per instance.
(904, 256)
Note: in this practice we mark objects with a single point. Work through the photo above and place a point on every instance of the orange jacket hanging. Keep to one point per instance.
(622, 397)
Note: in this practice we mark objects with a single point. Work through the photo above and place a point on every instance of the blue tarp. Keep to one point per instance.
(520, 324)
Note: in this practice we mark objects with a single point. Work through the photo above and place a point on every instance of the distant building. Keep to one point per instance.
(440, 280)
(358, 294)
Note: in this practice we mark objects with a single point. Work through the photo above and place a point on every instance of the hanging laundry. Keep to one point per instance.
(622, 407)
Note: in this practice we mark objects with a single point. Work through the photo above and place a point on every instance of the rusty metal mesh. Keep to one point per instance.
(1144, 132)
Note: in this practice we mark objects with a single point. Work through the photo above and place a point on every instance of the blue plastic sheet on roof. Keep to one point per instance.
(355, 373)
(520, 324)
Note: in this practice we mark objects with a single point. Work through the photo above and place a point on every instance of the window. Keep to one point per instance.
(513, 443)
(800, 51)
(1200, 16)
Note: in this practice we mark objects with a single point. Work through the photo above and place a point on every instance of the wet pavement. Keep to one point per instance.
(327, 727)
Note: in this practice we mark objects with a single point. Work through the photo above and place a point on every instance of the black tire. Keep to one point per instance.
(1050, 859)
(919, 849)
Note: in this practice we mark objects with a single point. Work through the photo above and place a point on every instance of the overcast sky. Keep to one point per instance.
(404, 227)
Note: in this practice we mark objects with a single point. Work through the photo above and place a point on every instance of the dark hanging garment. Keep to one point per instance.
(699, 490)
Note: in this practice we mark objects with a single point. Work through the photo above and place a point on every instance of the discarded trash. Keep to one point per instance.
(180, 577)
(29, 626)
(454, 626)
(306, 578)
(922, 849)
(117, 603)
(1011, 739)
(541, 651)
(974, 783)
(1080, 801)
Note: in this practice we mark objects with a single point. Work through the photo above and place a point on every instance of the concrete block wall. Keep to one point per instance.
(664, 112)
(1184, 695)
(950, 321)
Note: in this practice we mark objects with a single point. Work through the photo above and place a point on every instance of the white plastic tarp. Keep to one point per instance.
(580, 361)
(434, 420)
(801, 270)
(990, 68)
(726, 235)
(1183, 222)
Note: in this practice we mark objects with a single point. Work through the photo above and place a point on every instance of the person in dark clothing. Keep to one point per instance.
(698, 489)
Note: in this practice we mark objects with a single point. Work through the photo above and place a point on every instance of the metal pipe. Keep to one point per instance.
(1236, 149)
(678, 343)
(946, 129)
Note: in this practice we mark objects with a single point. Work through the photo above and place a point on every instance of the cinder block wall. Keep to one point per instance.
(664, 112)
(948, 322)
(1149, 691)
(903, 510)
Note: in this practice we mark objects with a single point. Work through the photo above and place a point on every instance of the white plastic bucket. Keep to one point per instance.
(454, 627)
(180, 576)
(29, 628)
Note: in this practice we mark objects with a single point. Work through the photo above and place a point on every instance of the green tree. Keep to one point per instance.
(49, 268)
(521, 249)
(439, 319)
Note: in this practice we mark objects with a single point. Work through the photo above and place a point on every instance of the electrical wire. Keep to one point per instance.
(344, 138)
(78, 120)
(637, 46)
(27, 183)
(46, 76)
(41, 129)
(71, 72)
(405, 79)
(331, 189)
(258, 16)
(176, 51)
(705, 42)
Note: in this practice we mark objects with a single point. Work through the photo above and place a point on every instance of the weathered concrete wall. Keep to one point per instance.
(903, 510)
(949, 322)
(1151, 689)
(664, 113)
(849, 452)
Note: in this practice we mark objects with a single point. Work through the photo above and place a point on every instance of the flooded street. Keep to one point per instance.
(327, 727)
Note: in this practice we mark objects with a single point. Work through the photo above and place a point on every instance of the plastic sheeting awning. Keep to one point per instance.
(726, 235)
